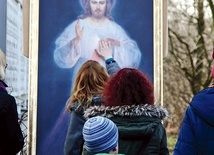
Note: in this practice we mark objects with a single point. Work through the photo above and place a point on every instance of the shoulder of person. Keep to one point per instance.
(114, 24)
(74, 106)
(145, 110)
(7, 97)
(97, 100)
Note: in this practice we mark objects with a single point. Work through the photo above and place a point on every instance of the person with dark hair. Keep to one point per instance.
(196, 134)
(130, 105)
(77, 43)
(11, 138)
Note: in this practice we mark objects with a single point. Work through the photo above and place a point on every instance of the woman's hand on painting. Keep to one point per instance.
(105, 49)
(79, 33)
(113, 42)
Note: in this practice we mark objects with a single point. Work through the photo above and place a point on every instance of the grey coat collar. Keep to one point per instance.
(128, 111)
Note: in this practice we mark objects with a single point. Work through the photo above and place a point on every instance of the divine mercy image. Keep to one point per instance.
(79, 41)
(70, 34)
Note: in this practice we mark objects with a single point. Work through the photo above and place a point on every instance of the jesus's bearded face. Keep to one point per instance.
(98, 8)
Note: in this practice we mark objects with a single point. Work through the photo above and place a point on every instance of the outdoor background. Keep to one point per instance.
(188, 63)
(186, 67)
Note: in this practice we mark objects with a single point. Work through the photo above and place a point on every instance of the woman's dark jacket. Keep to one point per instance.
(11, 138)
(140, 129)
(74, 139)
(196, 136)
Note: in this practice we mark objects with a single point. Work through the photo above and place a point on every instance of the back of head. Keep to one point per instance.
(100, 135)
(128, 87)
(90, 78)
(2, 65)
(90, 81)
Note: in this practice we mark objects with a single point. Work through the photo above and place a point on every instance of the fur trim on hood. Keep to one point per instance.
(128, 111)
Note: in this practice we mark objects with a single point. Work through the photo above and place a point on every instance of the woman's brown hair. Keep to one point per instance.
(89, 82)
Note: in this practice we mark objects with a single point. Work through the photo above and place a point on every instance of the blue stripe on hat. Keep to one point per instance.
(100, 135)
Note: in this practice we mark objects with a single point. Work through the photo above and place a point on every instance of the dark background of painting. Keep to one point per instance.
(135, 16)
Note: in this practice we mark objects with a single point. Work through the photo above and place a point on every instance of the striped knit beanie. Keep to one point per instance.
(100, 135)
